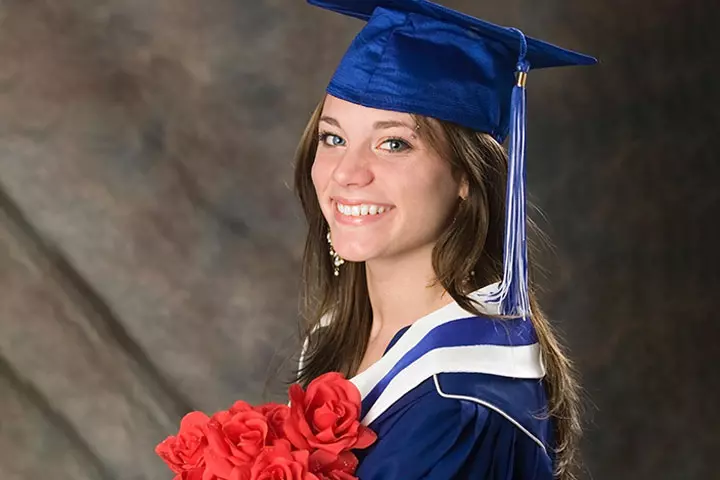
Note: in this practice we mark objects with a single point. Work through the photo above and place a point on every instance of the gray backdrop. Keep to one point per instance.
(150, 243)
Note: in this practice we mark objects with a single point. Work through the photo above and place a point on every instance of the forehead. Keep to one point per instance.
(344, 111)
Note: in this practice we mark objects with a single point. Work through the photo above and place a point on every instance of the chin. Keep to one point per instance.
(357, 246)
(357, 250)
(353, 255)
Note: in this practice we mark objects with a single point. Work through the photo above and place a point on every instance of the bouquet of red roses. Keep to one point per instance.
(312, 439)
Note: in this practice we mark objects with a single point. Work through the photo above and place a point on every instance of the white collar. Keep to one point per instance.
(509, 361)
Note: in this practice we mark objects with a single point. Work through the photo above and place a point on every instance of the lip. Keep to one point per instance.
(360, 220)
(347, 201)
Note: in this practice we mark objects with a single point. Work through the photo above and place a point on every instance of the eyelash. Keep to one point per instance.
(324, 135)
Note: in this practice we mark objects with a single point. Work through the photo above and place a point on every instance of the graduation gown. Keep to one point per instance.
(457, 396)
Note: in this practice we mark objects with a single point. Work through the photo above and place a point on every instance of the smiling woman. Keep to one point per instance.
(376, 158)
(422, 296)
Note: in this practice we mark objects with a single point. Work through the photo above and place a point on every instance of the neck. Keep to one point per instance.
(402, 290)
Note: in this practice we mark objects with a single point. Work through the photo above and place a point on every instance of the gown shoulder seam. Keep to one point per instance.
(491, 407)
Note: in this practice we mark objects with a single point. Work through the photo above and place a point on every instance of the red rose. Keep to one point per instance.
(280, 463)
(185, 452)
(224, 416)
(275, 415)
(240, 406)
(327, 466)
(327, 416)
(234, 441)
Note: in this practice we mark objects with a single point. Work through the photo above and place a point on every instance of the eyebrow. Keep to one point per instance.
(330, 120)
(379, 125)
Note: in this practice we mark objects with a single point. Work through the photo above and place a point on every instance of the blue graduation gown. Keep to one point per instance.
(458, 397)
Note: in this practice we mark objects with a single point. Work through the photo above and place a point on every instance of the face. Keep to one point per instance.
(383, 191)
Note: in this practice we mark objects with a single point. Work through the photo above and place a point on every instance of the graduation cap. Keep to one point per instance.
(419, 57)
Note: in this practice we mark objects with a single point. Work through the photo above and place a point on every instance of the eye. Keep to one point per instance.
(330, 139)
(395, 145)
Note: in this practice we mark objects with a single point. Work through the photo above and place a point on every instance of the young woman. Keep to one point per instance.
(415, 282)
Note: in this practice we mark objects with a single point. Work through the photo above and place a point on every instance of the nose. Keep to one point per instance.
(353, 169)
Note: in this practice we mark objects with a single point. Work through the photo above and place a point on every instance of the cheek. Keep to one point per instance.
(320, 172)
(434, 191)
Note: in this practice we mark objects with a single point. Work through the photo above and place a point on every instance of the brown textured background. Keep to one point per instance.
(150, 244)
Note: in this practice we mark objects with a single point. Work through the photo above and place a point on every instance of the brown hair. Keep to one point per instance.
(468, 255)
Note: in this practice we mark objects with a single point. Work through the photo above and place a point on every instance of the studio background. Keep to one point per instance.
(150, 242)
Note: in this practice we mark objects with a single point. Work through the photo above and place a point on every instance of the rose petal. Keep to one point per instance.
(218, 465)
(296, 427)
(324, 417)
(365, 438)
(276, 420)
(279, 463)
(240, 406)
(194, 474)
(217, 441)
(192, 421)
(321, 461)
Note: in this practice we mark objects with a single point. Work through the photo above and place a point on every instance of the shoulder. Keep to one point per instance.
(467, 426)
(522, 403)
(518, 404)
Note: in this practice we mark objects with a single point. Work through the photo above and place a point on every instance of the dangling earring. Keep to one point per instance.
(460, 202)
(337, 259)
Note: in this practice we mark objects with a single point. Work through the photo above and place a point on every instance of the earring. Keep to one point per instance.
(469, 280)
(337, 259)
(460, 202)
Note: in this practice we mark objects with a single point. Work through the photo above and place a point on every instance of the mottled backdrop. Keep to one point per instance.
(150, 242)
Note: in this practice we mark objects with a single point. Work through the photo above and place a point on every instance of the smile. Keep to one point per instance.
(361, 210)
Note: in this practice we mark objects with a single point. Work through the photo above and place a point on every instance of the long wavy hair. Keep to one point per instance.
(467, 256)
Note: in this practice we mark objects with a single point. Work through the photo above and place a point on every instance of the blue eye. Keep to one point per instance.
(330, 139)
(396, 145)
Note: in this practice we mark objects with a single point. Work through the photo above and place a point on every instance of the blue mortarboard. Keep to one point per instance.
(419, 57)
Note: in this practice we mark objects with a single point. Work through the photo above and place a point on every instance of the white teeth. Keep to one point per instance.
(361, 210)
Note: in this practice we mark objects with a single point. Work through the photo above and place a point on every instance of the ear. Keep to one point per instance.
(464, 189)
